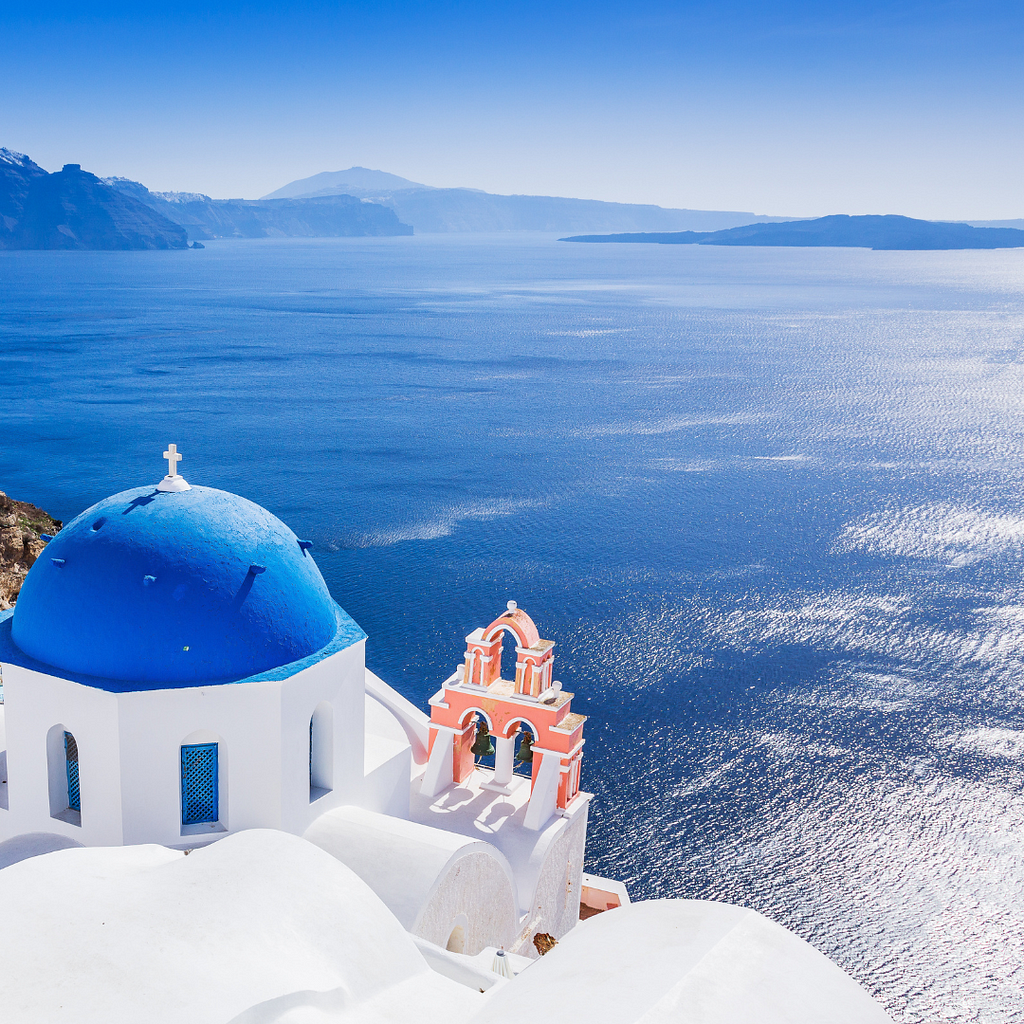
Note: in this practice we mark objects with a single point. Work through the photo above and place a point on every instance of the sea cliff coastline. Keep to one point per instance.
(22, 526)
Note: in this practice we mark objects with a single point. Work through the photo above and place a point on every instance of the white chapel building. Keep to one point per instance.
(176, 670)
(177, 682)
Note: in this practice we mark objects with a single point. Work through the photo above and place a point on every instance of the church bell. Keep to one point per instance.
(482, 746)
(525, 752)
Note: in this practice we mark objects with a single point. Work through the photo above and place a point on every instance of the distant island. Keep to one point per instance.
(869, 232)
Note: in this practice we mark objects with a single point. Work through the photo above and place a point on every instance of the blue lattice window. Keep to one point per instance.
(71, 758)
(199, 791)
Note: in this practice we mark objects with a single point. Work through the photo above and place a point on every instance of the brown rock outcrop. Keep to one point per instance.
(20, 545)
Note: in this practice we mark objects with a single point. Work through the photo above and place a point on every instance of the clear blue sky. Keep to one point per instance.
(784, 108)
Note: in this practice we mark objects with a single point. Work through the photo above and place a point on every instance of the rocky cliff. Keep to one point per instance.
(20, 544)
(73, 209)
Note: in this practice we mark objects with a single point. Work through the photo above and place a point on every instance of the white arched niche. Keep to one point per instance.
(61, 749)
(321, 751)
(457, 937)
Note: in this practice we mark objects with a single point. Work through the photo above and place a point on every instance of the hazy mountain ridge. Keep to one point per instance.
(324, 217)
(890, 232)
(432, 209)
(73, 209)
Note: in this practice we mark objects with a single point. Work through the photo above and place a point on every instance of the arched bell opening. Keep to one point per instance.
(483, 744)
(524, 735)
(508, 653)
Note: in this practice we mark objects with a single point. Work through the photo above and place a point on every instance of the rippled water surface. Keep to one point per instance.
(767, 502)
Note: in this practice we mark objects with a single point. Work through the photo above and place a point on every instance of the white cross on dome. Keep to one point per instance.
(173, 481)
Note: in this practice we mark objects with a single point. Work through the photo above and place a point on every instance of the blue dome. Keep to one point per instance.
(178, 588)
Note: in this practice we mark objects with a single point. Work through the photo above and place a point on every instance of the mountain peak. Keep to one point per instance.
(356, 181)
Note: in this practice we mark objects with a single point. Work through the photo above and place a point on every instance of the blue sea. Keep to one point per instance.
(767, 502)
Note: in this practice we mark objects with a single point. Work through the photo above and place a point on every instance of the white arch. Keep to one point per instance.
(524, 721)
(480, 711)
(457, 937)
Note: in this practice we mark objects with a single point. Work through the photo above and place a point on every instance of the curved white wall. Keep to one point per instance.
(432, 881)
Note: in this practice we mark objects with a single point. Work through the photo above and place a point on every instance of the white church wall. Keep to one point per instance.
(338, 682)
(130, 753)
(242, 718)
(34, 704)
(3, 763)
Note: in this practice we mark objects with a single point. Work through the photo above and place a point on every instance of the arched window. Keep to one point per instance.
(321, 751)
(62, 770)
(200, 784)
(71, 766)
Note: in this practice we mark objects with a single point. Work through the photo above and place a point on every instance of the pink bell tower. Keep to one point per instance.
(533, 699)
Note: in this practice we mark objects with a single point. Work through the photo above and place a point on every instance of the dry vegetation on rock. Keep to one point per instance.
(20, 545)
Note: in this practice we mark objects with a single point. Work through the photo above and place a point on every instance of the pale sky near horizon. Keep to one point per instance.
(791, 108)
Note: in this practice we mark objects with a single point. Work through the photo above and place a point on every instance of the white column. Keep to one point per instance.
(438, 776)
(544, 799)
(504, 752)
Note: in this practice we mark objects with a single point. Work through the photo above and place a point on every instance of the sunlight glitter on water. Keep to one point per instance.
(767, 503)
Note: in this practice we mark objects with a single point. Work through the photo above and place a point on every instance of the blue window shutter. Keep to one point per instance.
(71, 757)
(200, 798)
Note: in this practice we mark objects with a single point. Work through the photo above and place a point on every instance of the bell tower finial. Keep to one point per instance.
(173, 481)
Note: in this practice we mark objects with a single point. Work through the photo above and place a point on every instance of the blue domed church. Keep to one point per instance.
(176, 670)
(177, 679)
